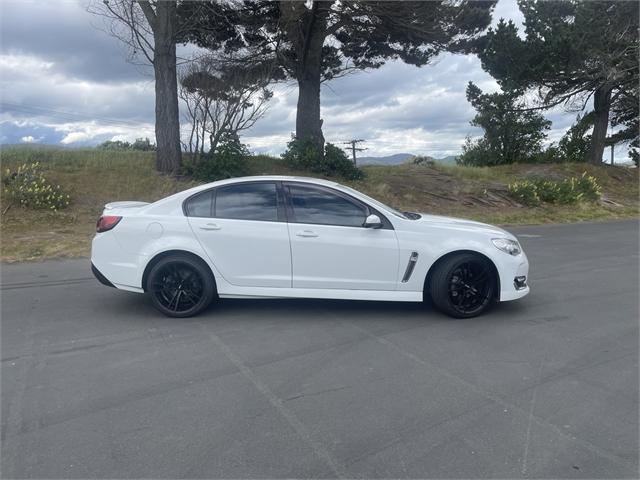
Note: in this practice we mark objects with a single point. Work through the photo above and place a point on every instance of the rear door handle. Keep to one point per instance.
(210, 226)
(306, 233)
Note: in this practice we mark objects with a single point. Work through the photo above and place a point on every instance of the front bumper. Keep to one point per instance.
(514, 279)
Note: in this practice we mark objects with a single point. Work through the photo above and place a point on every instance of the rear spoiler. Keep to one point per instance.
(120, 205)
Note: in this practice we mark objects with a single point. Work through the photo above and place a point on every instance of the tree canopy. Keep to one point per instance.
(572, 51)
(221, 100)
(314, 41)
(511, 134)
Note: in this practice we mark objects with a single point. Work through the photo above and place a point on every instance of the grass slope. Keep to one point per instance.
(95, 177)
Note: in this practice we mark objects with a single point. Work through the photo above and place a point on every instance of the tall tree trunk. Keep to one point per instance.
(601, 107)
(307, 30)
(168, 152)
(197, 129)
(308, 122)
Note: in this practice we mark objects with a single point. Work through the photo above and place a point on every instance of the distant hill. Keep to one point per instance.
(400, 158)
(396, 159)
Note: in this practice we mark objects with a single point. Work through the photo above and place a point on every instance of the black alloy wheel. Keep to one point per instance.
(463, 286)
(180, 286)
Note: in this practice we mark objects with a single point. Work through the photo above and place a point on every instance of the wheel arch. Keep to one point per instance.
(167, 253)
(434, 266)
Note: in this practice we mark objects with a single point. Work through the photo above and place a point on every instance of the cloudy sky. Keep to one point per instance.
(66, 82)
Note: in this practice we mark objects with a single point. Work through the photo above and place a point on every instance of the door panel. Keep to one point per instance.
(327, 256)
(330, 248)
(247, 253)
(244, 235)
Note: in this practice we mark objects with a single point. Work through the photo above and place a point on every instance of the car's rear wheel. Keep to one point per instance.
(180, 286)
(463, 286)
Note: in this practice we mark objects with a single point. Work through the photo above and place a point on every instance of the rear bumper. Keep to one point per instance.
(101, 278)
(115, 265)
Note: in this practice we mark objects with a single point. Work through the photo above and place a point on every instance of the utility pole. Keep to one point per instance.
(354, 149)
(612, 154)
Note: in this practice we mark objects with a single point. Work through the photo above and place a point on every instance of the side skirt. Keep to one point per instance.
(336, 294)
(128, 288)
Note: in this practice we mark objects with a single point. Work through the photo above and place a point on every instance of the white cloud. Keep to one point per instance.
(94, 131)
(74, 137)
(30, 139)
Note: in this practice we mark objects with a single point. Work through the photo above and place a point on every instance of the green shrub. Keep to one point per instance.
(228, 161)
(566, 192)
(337, 164)
(303, 155)
(634, 155)
(477, 153)
(423, 161)
(551, 154)
(141, 144)
(28, 187)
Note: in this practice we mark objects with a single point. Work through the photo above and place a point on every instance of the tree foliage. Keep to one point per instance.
(572, 51)
(333, 162)
(511, 134)
(314, 41)
(221, 100)
(574, 145)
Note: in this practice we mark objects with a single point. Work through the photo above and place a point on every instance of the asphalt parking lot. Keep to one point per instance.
(95, 383)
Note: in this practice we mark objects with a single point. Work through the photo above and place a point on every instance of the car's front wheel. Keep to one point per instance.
(463, 286)
(180, 286)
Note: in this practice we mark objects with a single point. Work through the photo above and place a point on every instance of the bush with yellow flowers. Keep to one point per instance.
(27, 186)
(570, 190)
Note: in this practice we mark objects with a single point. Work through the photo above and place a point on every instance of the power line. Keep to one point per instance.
(66, 116)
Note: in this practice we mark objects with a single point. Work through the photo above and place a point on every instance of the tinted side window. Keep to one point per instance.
(200, 205)
(314, 205)
(251, 201)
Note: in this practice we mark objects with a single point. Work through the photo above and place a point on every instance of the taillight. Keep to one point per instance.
(107, 222)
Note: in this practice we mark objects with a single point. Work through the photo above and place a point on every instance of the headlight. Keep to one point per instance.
(512, 247)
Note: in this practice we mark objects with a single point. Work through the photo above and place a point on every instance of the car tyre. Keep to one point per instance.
(181, 286)
(463, 286)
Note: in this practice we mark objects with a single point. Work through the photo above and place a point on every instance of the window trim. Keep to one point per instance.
(369, 210)
(280, 201)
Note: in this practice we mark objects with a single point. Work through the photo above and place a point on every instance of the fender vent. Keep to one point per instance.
(413, 259)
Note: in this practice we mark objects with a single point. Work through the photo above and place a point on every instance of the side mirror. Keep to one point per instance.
(373, 221)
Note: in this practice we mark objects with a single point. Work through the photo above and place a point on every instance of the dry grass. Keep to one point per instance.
(96, 177)
(93, 178)
(481, 193)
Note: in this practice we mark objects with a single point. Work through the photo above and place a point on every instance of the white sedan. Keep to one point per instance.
(276, 236)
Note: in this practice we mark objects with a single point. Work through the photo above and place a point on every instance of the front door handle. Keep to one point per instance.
(210, 226)
(306, 233)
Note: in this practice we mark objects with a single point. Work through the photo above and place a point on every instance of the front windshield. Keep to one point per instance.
(394, 211)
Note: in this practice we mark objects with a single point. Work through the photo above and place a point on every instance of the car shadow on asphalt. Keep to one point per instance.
(130, 306)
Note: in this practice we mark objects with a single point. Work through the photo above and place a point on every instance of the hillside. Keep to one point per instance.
(95, 177)
(400, 158)
(396, 159)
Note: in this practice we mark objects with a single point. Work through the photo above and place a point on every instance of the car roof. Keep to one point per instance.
(175, 200)
(281, 178)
